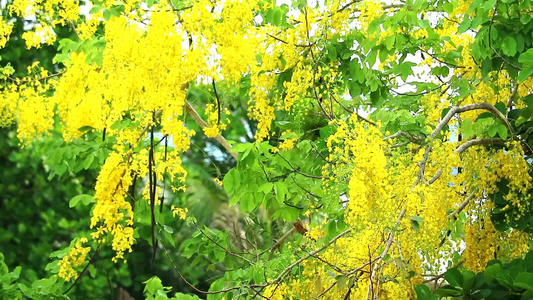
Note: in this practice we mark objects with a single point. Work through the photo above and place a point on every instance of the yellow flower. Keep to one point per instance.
(181, 212)
(75, 257)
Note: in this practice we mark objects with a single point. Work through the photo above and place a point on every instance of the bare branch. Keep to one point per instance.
(91, 260)
(295, 170)
(294, 264)
(327, 290)
(422, 166)
(195, 288)
(223, 248)
(435, 177)
(383, 254)
(298, 226)
(466, 145)
(410, 137)
(487, 141)
(469, 107)
(461, 206)
(457, 110)
(219, 138)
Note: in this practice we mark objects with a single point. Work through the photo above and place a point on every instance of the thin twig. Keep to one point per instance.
(151, 186)
(218, 101)
(84, 270)
(326, 290)
(224, 248)
(280, 241)
(410, 137)
(490, 42)
(419, 93)
(192, 286)
(294, 264)
(384, 253)
(295, 170)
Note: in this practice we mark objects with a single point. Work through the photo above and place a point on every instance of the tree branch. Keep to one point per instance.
(487, 141)
(410, 137)
(91, 260)
(461, 206)
(298, 226)
(490, 43)
(219, 138)
(294, 264)
(224, 248)
(469, 107)
(457, 110)
(383, 254)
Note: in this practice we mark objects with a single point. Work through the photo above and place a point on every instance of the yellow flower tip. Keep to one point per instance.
(180, 212)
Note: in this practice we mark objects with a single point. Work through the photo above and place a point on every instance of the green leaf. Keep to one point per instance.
(84, 198)
(448, 291)
(153, 285)
(468, 281)
(265, 148)
(341, 282)
(501, 107)
(287, 213)
(389, 42)
(475, 4)
(266, 187)
(482, 294)
(403, 70)
(415, 222)
(169, 238)
(509, 46)
(95, 9)
(354, 89)
(53, 267)
(88, 161)
(229, 181)
(85, 128)
(524, 280)
(423, 23)
(488, 4)
(502, 131)
(326, 131)
(465, 25)
(454, 277)
(332, 52)
(241, 147)
(526, 57)
(466, 128)
(168, 229)
(92, 271)
(246, 201)
(493, 130)
(444, 71)
(120, 124)
(181, 296)
(525, 74)
(107, 14)
(305, 146)
(281, 190)
(276, 17)
(525, 18)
